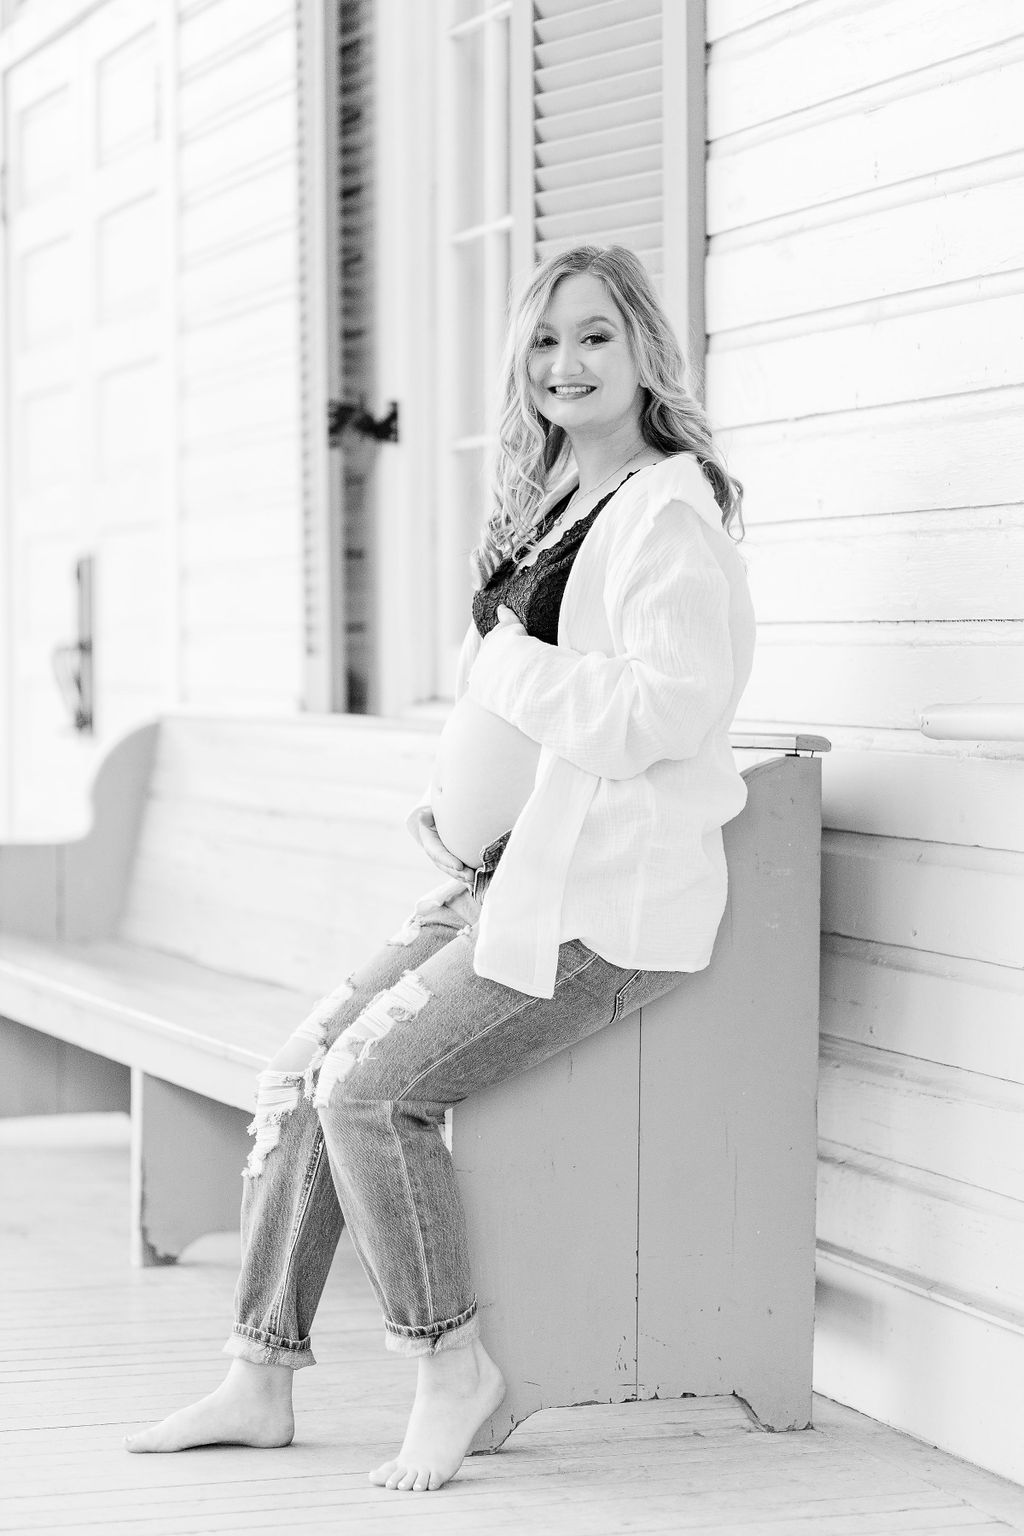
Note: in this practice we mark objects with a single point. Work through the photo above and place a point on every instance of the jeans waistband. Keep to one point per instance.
(488, 864)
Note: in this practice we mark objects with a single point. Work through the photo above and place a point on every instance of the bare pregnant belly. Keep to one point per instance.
(483, 776)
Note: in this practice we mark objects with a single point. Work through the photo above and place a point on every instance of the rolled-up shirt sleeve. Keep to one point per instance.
(656, 699)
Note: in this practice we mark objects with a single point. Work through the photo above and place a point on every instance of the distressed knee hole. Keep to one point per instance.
(305, 1049)
(277, 1095)
(398, 1004)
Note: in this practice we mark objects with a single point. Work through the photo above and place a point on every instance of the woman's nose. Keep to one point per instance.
(565, 360)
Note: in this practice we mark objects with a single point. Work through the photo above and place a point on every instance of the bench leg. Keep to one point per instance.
(44, 1076)
(548, 1168)
(187, 1157)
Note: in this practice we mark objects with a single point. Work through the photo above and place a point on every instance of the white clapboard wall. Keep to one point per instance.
(85, 399)
(239, 364)
(865, 315)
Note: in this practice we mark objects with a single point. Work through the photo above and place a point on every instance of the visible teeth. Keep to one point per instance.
(572, 389)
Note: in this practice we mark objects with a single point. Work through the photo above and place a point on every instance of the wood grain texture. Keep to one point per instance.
(864, 371)
(101, 1350)
(698, 1275)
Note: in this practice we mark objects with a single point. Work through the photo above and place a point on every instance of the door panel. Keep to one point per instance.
(87, 296)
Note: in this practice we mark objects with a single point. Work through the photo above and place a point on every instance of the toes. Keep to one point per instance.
(380, 1475)
(424, 1481)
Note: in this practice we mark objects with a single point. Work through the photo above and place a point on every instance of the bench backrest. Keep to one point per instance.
(277, 848)
(270, 848)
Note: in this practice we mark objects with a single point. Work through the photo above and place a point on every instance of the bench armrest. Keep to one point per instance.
(76, 890)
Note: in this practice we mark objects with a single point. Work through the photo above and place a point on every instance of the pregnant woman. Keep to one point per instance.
(581, 784)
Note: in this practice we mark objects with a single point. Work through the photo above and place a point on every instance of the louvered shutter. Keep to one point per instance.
(598, 125)
(355, 332)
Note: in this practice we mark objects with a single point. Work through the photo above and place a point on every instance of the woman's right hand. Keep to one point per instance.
(435, 850)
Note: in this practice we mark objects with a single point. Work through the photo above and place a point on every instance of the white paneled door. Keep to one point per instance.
(86, 403)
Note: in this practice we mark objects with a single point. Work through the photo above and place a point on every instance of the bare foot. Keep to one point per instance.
(456, 1391)
(252, 1406)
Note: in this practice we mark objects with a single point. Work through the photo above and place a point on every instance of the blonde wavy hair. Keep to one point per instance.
(532, 453)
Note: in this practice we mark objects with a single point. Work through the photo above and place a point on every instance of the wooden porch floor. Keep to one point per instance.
(91, 1348)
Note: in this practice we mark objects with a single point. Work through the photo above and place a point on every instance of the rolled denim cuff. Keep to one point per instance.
(455, 1333)
(268, 1349)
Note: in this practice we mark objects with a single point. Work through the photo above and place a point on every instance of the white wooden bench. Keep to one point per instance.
(641, 1208)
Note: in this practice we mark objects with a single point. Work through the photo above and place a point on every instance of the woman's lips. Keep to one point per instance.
(570, 391)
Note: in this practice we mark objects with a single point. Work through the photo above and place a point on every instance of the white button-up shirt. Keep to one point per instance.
(620, 843)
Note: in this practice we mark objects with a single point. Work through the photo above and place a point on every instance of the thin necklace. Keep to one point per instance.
(617, 470)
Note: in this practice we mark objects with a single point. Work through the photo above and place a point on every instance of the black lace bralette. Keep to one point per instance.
(534, 592)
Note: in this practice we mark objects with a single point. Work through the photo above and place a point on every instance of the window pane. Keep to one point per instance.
(468, 383)
(474, 505)
(498, 110)
(468, 130)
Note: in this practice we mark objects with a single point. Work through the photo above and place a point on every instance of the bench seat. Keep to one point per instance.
(204, 1029)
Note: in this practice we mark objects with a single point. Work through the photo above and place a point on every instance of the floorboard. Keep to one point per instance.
(93, 1348)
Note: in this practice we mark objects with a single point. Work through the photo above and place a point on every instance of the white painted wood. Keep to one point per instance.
(858, 255)
(924, 1224)
(683, 155)
(816, 676)
(973, 722)
(893, 350)
(403, 508)
(473, 256)
(864, 370)
(955, 116)
(700, 1269)
(87, 385)
(783, 67)
(46, 1076)
(949, 453)
(241, 355)
(925, 1343)
(934, 896)
(106, 1354)
(936, 797)
(961, 1125)
(958, 1012)
(727, 16)
(598, 69)
(187, 1155)
(965, 564)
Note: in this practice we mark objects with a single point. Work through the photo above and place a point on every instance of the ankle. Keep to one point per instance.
(273, 1381)
(451, 1369)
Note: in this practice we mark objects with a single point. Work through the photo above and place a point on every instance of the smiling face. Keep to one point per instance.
(582, 374)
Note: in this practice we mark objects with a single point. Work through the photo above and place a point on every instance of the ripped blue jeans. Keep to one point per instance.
(350, 1119)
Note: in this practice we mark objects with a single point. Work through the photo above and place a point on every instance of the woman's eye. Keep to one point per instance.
(543, 341)
(596, 336)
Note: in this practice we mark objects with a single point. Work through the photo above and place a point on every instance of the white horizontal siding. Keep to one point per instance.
(865, 307)
(240, 396)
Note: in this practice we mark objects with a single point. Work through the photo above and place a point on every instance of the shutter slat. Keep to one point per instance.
(598, 163)
(602, 115)
(611, 85)
(606, 141)
(645, 240)
(555, 21)
(611, 193)
(588, 170)
(637, 35)
(596, 223)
